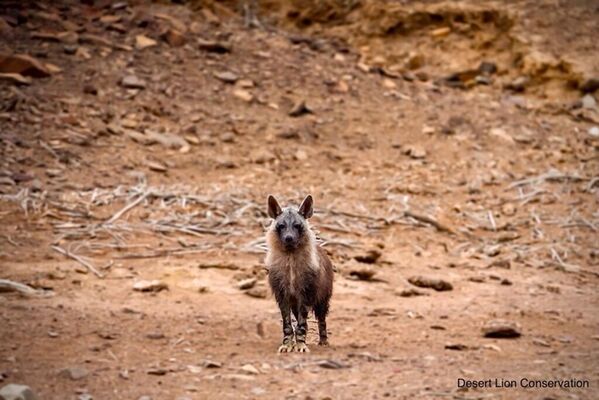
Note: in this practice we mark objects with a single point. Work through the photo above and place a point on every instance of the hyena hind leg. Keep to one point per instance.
(321, 311)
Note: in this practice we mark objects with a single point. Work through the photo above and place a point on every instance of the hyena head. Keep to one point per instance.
(290, 227)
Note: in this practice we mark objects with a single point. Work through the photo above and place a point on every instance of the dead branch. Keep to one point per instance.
(11, 286)
(428, 220)
(128, 207)
(79, 260)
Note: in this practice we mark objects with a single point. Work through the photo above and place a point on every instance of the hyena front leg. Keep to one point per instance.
(287, 345)
(320, 311)
(301, 315)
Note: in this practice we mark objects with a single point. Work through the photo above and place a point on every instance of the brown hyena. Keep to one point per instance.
(299, 271)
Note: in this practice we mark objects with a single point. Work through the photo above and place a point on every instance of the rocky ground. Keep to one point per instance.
(451, 148)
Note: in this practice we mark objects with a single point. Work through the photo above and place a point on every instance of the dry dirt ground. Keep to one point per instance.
(148, 153)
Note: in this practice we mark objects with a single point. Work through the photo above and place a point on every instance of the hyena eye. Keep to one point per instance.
(280, 226)
(298, 227)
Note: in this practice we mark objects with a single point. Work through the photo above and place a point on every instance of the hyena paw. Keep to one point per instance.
(301, 347)
(323, 342)
(286, 347)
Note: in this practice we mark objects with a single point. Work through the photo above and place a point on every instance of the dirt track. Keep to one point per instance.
(466, 179)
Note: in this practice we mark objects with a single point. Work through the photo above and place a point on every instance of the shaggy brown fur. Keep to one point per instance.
(300, 273)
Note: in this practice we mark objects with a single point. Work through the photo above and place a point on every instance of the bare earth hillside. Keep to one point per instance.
(451, 149)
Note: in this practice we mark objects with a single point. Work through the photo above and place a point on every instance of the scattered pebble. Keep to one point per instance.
(226, 76)
(411, 292)
(432, 283)
(142, 42)
(150, 286)
(73, 373)
(14, 391)
(501, 329)
(133, 82)
(370, 257)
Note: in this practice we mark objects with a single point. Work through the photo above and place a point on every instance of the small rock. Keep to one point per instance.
(541, 342)
(174, 37)
(439, 32)
(157, 371)
(21, 177)
(487, 67)
(363, 273)
(17, 392)
(73, 373)
(422, 76)
(505, 264)
(243, 95)
(6, 180)
(492, 250)
(226, 76)
(218, 265)
(289, 134)
(156, 166)
(24, 65)
(370, 257)
(263, 156)
(389, 84)
(88, 88)
(300, 108)
(477, 279)
(227, 137)
(238, 377)
(211, 364)
(502, 134)
(594, 132)
(16, 79)
(331, 364)
(589, 102)
(456, 346)
(507, 236)
(150, 286)
(168, 140)
(213, 46)
(501, 329)
(83, 53)
(427, 130)
(133, 82)
(431, 283)
(143, 42)
(519, 84)
(155, 335)
(411, 292)
(590, 85)
(245, 83)
(250, 369)
(414, 151)
(247, 283)
(258, 291)
(483, 80)
(301, 155)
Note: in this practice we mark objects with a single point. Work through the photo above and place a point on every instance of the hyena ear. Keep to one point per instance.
(274, 209)
(305, 208)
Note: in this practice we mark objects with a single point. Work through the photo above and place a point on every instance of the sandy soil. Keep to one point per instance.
(488, 188)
